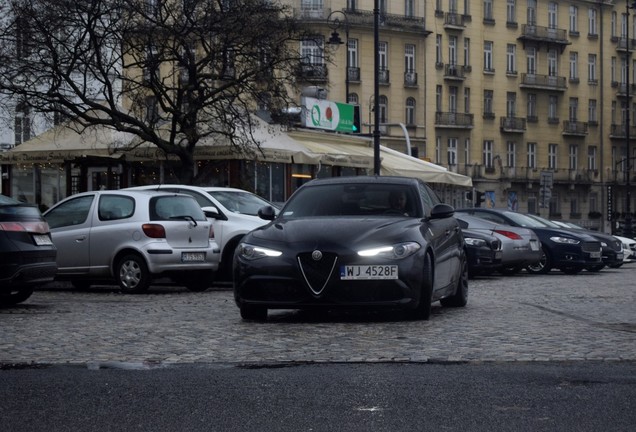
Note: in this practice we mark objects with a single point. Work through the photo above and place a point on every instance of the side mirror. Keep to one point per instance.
(211, 212)
(267, 213)
(442, 211)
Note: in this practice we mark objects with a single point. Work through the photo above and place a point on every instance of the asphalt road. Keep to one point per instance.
(529, 353)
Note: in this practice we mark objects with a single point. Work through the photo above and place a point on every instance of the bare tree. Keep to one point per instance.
(170, 72)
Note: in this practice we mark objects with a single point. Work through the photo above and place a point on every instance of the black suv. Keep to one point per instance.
(27, 254)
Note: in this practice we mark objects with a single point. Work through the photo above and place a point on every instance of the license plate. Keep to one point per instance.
(498, 255)
(595, 254)
(619, 256)
(42, 240)
(534, 246)
(192, 256)
(361, 272)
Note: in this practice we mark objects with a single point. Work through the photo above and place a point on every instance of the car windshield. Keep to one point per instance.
(240, 201)
(351, 200)
(546, 222)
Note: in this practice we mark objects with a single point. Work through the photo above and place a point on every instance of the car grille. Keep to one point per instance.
(317, 272)
(591, 246)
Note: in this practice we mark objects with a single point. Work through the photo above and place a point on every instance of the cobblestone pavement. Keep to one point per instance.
(590, 316)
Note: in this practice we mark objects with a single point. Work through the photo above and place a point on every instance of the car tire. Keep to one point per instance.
(132, 274)
(460, 297)
(423, 309)
(225, 267)
(15, 296)
(253, 313)
(543, 266)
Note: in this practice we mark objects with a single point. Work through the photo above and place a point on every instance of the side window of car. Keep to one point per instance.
(115, 207)
(428, 198)
(490, 217)
(72, 212)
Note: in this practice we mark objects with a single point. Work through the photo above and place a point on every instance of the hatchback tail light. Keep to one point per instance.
(32, 227)
(154, 230)
(211, 232)
(509, 234)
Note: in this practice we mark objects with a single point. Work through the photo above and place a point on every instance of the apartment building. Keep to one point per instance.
(528, 97)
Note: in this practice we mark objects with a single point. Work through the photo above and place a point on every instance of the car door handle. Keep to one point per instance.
(80, 239)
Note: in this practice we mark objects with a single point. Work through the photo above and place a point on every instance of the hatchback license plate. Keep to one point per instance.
(42, 240)
(368, 272)
(192, 256)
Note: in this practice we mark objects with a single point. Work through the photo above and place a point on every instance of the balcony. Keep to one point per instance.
(383, 77)
(454, 21)
(353, 74)
(410, 79)
(619, 131)
(621, 89)
(453, 120)
(311, 13)
(512, 124)
(358, 17)
(545, 35)
(574, 128)
(454, 72)
(543, 82)
(621, 44)
(312, 73)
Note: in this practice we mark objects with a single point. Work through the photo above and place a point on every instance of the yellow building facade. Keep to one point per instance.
(527, 97)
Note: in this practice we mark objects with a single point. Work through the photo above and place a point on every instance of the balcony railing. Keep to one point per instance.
(454, 120)
(454, 20)
(544, 34)
(619, 131)
(383, 76)
(576, 128)
(453, 72)
(312, 72)
(621, 89)
(512, 124)
(360, 17)
(621, 44)
(353, 74)
(410, 79)
(545, 82)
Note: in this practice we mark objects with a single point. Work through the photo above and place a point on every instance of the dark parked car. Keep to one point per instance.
(520, 247)
(611, 247)
(564, 249)
(348, 242)
(483, 252)
(27, 254)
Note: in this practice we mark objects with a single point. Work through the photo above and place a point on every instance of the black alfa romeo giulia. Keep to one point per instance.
(348, 242)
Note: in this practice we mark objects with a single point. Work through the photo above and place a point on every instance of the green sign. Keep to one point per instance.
(329, 115)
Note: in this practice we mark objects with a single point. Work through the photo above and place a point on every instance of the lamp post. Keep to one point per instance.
(627, 228)
(336, 41)
(376, 87)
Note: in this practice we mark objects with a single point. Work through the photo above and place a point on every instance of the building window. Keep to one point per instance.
(574, 69)
(613, 24)
(511, 58)
(409, 58)
(488, 62)
(531, 12)
(552, 156)
(452, 99)
(574, 156)
(438, 150)
(511, 157)
(592, 115)
(487, 153)
(438, 98)
(452, 50)
(552, 108)
(466, 100)
(22, 126)
(511, 104)
(591, 158)
(383, 52)
(22, 38)
(466, 51)
(409, 8)
(553, 7)
(438, 49)
(488, 103)
(452, 151)
(592, 22)
(532, 106)
(573, 109)
(312, 8)
(383, 103)
(488, 12)
(352, 52)
(553, 63)
(532, 155)
(591, 68)
(467, 151)
(574, 18)
(353, 99)
(311, 52)
(511, 11)
(410, 111)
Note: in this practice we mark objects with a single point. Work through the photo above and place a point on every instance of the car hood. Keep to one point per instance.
(334, 231)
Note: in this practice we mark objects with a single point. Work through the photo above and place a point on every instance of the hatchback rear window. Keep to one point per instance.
(19, 212)
(175, 207)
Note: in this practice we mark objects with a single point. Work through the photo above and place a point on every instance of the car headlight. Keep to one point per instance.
(475, 241)
(396, 251)
(565, 240)
(252, 252)
(603, 244)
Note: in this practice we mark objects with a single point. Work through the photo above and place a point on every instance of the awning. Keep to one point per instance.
(358, 152)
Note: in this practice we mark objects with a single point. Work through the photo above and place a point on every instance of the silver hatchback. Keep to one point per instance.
(132, 237)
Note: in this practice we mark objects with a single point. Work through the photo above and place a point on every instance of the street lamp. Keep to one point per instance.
(627, 228)
(336, 41)
(376, 87)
